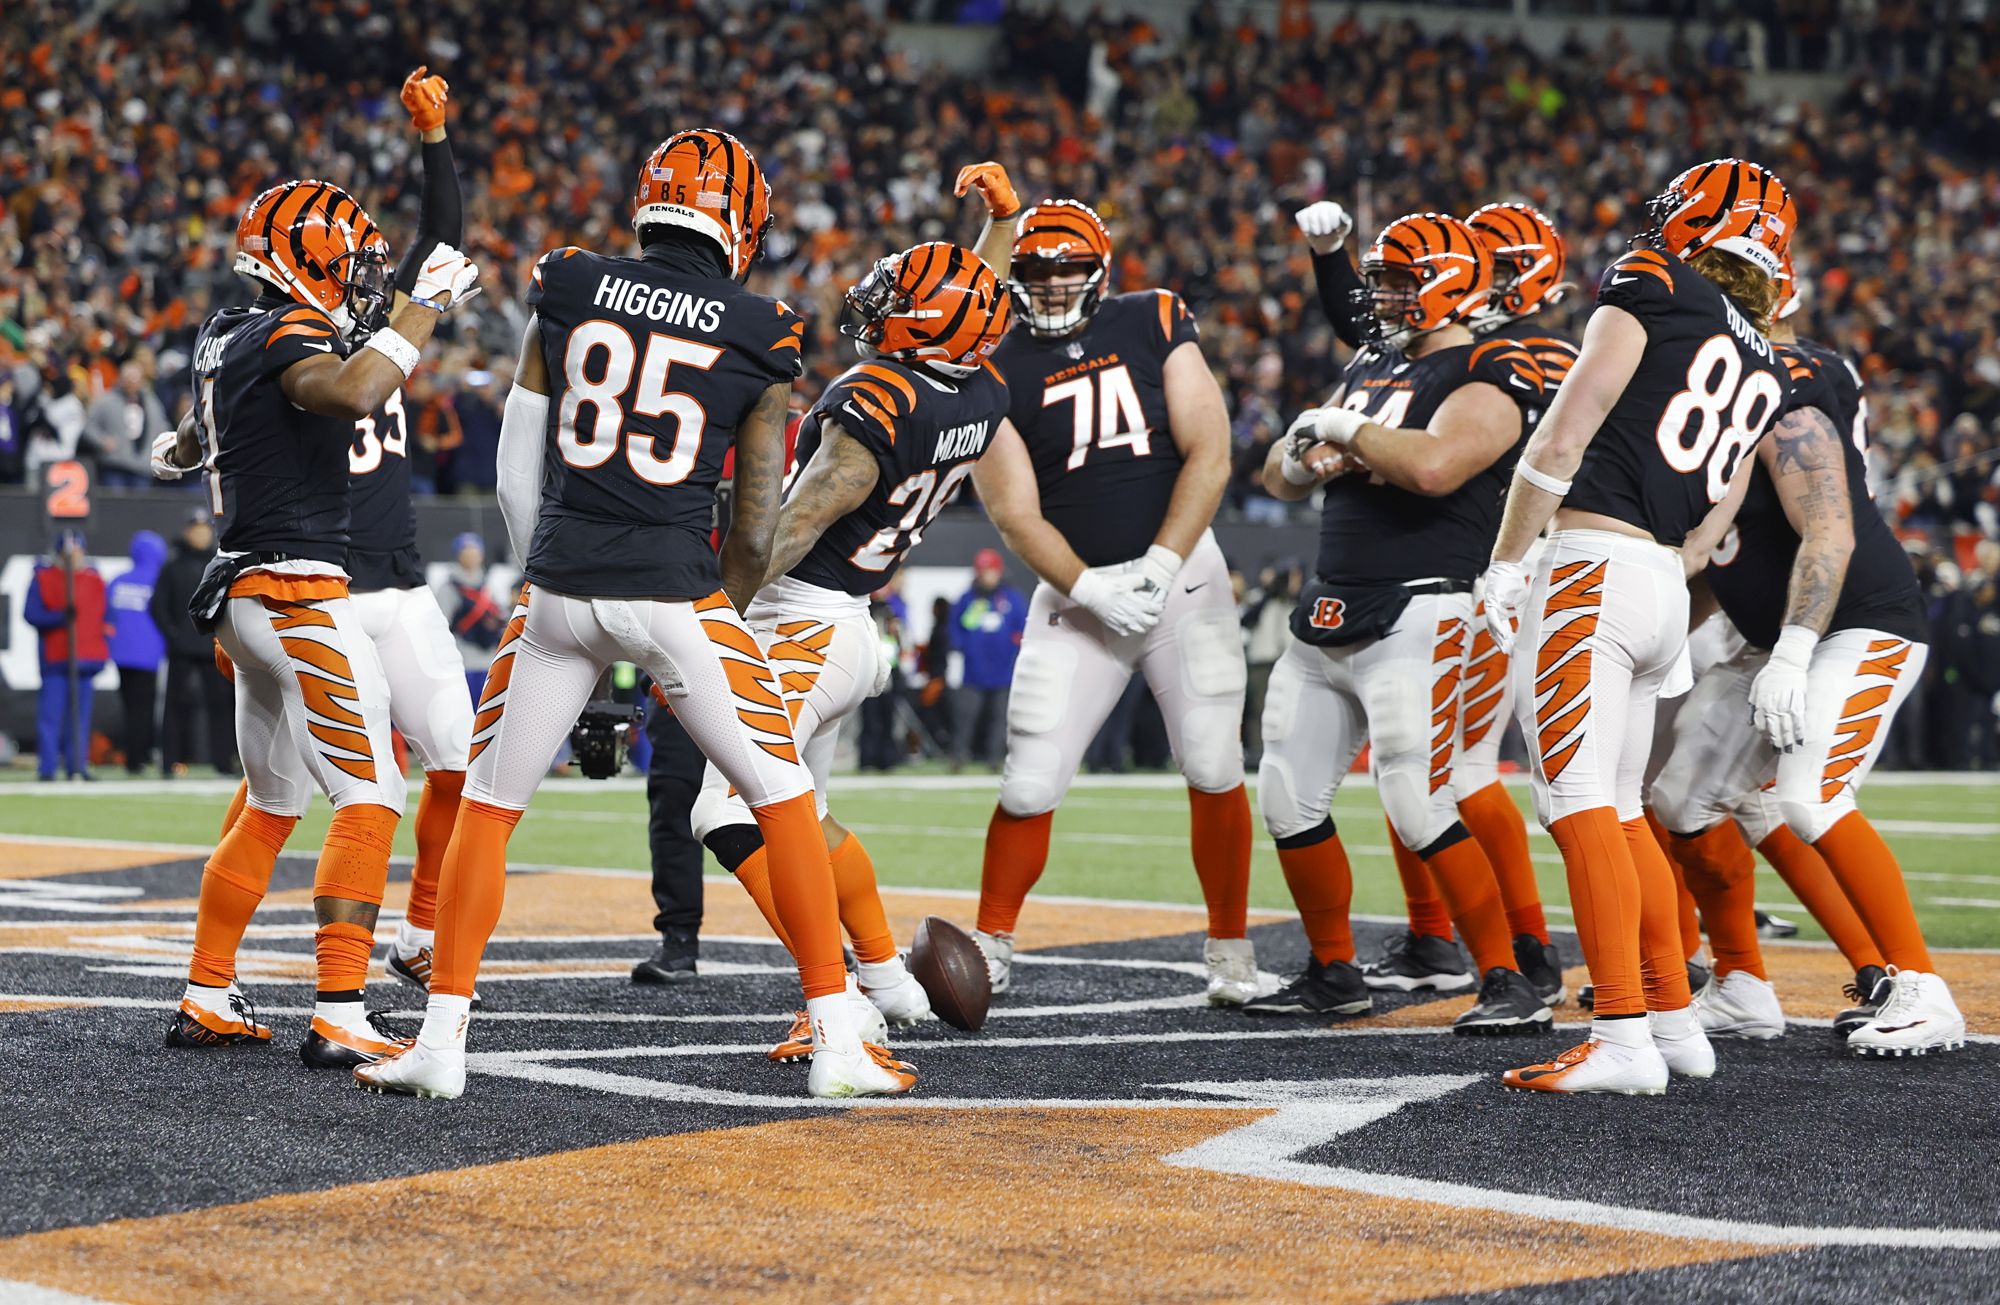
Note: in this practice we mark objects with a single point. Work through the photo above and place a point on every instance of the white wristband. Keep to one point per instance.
(396, 349)
(1294, 471)
(1541, 480)
(1340, 425)
(1795, 645)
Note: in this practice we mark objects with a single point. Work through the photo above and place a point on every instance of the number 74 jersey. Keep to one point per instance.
(926, 433)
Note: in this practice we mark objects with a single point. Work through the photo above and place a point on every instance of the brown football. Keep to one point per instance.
(953, 971)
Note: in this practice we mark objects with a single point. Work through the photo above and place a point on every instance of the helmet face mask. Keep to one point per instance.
(865, 308)
(936, 305)
(310, 241)
(1425, 272)
(369, 292)
(1394, 304)
(1061, 267)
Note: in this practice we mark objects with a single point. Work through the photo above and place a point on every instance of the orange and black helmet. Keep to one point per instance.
(1733, 205)
(936, 304)
(1791, 291)
(1054, 237)
(1528, 257)
(310, 241)
(706, 181)
(1425, 271)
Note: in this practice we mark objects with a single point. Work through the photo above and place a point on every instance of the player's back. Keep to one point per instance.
(1706, 389)
(654, 362)
(278, 482)
(926, 433)
(1553, 351)
(1092, 409)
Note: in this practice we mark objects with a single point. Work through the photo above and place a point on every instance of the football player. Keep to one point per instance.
(1411, 451)
(888, 445)
(1104, 480)
(638, 374)
(1835, 629)
(391, 602)
(1674, 386)
(278, 386)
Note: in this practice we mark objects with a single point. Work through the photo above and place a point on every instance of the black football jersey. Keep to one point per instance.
(1553, 352)
(1093, 411)
(382, 526)
(1372, 532)
(927, 433)
(1707, 388)
(277, 474)
(654, 368)
(1751, 570)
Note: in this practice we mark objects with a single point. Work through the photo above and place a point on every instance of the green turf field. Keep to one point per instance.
(1111, 839)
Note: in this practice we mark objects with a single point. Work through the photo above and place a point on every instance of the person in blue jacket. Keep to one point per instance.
(986, 625)
(138, 649)
(55, 607)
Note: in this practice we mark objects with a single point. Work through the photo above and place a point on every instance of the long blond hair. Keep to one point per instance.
(1754, 292)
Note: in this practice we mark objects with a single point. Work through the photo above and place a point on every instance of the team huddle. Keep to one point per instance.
(1680, 460)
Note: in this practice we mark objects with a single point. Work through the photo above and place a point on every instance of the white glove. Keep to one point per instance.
(1326, 225)
(164, 466)
(1506, 592)
(447, 279)
(1339, 426)
(1778, 694)
(885, 659)
(1301, 435)
(1119, 596)
(1159, 567)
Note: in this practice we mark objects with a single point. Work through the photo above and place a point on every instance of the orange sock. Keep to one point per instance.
(802, 892)
(754, 873)
(471, 886)
(1503, 835)
(1604, 893)
(1807, 874)
(1465, 878)
(1690, 918)
(1427, 911)
(232, 884)
(1219, 834)
(341, 950)
(1322, 884)
(1722, 875)
(437, 812)
(236, 805)
(1868, 873)
(1017, 847)
(1663, 963)
(861, 912)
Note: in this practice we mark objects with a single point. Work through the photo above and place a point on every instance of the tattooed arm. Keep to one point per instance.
(834, 483)
(1808, 466)
(759, 480)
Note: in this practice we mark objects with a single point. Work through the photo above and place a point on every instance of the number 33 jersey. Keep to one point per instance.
(1705, 391)
(653, 368)
(1092, 409)
(926, 433)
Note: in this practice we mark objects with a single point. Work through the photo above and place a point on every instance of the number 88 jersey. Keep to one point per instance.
(926, 433)
(1706, 389)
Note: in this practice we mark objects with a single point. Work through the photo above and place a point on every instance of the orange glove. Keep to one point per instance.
(222, 662)
(424, 97)
(990, 180)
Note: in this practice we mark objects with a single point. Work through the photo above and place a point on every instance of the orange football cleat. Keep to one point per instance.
(1596, 1066)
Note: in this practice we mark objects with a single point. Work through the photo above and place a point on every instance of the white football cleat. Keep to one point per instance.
(869, 1022)
(1918, 1017)
(419, 1071)
(868, 1071)
(998, 949)
(894, 991)
(1232, 970)
(1596, 1066)
(1740, 1005)
(1681, 1041)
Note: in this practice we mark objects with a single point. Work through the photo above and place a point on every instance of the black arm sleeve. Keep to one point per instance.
(443, 220)
(1337, 282)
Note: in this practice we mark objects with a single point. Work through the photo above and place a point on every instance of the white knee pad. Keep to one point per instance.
(715, 807)
(1810, 819)
(1399, 737)
(1212, 747)
(1039, 696)
(1030, 783)
(1278, 799)
(1758, 816)
(1673, 800)
(1212, 663)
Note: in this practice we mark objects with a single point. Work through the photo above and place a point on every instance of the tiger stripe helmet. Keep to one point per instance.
(708, 182)
(1528, 256)
(1057, 236)
(1733, 205)
(311, 241)
(1424, 272)
(937, 304)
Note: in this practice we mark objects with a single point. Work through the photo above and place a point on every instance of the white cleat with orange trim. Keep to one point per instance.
(1596, 1066)
(868, 1022)
(417, 1071)
(1917, 1018)
(1682, 1042)
(894, 992)
(868, 1071)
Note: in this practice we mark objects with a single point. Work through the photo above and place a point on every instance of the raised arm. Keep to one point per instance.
(837, 481)
(441, 219)
(1003, 211)
(760, 475)
(350, 388)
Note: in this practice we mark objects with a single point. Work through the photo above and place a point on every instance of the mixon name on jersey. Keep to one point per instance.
(658, 303)
(961, 442)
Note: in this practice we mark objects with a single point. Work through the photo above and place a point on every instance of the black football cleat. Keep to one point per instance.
(1775, 926)
(673, 961)
(1542, 964)
(1411, 961)
(1868, 991)
(1335, 988)
(1508, 1004)
(1586, 996)
(198, 1027)
(344, 1046)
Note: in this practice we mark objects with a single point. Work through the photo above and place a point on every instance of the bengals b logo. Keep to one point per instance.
(1329, 613)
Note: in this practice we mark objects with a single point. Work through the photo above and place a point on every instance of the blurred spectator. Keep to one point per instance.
(138, 649)
(878, 745)
(55, 431)
(674, 771)
(13, 436)
(120, 429)
(65, 602)
(1970, 650)
(199, 702)
(477, 622)
(934, 696)
(986, 626)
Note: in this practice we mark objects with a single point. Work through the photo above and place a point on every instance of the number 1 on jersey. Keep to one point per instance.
(1107, 413)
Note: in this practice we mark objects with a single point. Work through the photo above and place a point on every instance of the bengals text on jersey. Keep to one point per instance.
(1092, 409)
(654, 362)
(1706, 390)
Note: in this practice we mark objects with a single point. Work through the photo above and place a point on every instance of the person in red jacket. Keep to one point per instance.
(53, 602)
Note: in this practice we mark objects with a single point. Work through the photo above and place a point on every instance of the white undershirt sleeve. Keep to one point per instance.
(523, 436)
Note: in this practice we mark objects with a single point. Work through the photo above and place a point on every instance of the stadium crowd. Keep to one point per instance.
(129, 145)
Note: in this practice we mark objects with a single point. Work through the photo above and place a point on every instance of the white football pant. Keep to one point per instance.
(428, 699)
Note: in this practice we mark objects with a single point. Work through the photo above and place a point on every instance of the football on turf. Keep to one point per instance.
(953, 971)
